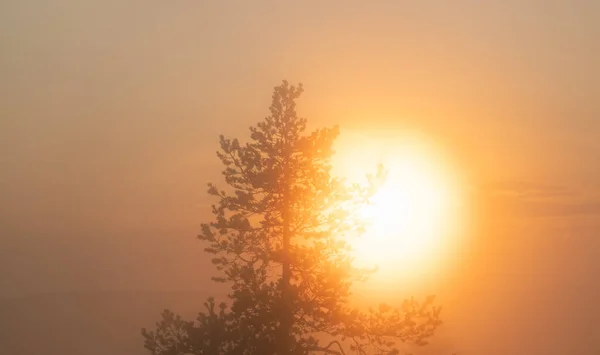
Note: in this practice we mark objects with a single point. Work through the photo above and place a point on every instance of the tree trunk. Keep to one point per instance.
(286, 316)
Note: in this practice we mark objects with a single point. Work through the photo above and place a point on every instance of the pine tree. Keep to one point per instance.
(280, 239)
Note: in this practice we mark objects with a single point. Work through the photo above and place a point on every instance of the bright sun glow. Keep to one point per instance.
(406, 215)
(413, 215)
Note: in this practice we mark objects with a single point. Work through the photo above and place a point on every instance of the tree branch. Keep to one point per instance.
(327, 349)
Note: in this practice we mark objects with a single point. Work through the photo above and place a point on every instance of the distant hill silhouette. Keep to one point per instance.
(90, 323)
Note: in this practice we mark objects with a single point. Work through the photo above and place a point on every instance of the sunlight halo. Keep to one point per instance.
(415, 215)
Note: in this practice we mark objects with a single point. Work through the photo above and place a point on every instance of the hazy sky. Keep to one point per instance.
(110, 112)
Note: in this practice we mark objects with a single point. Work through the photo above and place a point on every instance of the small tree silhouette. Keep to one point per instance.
(279, 237)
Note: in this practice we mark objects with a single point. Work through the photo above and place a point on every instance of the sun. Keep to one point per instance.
(405, 216)
(414, 215)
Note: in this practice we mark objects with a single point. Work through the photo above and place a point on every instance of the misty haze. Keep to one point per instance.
(433, 161)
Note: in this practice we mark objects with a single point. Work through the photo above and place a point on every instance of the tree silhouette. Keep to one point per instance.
(279, 238)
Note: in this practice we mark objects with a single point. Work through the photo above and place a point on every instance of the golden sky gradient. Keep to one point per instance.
(110, 113)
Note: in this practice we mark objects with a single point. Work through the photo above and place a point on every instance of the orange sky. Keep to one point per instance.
(110, 113)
